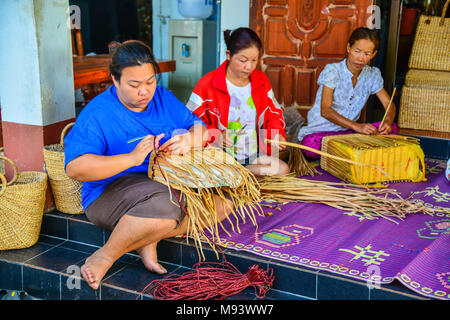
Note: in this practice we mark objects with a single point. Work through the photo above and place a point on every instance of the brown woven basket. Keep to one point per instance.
(425, 101)
(22, 203)
(428, 79)
(431, 47)
(66, 191)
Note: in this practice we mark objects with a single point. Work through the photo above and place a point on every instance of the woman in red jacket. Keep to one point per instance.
(237, 104)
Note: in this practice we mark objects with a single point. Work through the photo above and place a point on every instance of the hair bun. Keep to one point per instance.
(227, 35)
(113, 45)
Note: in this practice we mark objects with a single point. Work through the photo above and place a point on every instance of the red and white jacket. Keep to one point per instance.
(210, 101)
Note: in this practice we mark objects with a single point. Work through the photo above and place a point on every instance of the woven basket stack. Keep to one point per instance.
(425, 100)
(22, 202)
(66, 191)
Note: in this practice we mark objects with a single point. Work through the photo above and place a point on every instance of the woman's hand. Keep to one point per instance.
(179, 144)
(224, 140)
(365, 128)
(278, 137)
(143, 148)
(93, 167)
(385, 129)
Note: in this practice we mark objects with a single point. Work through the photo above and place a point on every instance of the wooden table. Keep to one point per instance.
(95, 69)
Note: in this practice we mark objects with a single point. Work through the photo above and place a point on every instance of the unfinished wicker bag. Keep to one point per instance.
(66, 191)
(378, 158)
(22, 203)
(431, 47)
(200, 175)
(425, 101)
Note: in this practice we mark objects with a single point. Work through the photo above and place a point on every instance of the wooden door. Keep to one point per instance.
(300, 37)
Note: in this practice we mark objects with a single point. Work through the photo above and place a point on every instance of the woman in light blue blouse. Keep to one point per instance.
(344, 89)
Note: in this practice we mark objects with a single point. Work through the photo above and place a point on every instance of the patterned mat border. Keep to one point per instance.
(371, 280)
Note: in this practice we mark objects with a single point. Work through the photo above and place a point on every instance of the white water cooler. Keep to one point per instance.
(193, 45)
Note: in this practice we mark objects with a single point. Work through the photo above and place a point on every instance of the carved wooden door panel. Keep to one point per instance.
(300, 37)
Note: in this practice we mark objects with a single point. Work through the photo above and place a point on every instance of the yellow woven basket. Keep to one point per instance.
(425, 101)
(66, 191)
(384, 158)
(22, 202)
(431, 47)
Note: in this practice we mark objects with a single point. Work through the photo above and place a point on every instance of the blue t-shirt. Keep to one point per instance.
(106, 127)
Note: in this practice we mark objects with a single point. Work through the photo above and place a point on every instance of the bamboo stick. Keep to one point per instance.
(387, 109)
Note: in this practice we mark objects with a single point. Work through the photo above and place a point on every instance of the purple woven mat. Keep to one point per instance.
(416, 251)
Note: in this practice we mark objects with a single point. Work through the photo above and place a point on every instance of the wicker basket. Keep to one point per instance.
(425, 101)
(431, 47)
(400, 157)
(22, 202)
(197, 169)
(66, 191)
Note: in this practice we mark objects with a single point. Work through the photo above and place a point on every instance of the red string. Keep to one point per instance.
(209, 280)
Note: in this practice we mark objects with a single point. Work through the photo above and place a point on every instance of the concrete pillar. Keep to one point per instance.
(36, 78)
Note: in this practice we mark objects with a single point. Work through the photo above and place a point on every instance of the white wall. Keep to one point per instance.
(234, 13)
(36, 78)
(163, 10)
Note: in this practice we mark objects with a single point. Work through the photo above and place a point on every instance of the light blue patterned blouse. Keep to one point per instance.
(348, 101)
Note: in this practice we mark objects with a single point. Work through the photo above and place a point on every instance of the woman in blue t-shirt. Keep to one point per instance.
(108, 149)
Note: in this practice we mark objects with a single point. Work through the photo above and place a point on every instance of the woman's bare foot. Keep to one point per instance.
(149, 257)
(95, 268)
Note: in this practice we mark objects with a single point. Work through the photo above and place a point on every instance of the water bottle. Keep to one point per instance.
(196, 9)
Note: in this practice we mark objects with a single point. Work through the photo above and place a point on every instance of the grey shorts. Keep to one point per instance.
(135, 195)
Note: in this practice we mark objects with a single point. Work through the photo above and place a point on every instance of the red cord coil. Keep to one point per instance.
(209, 280)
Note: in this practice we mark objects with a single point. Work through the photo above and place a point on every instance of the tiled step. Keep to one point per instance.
(48, 269)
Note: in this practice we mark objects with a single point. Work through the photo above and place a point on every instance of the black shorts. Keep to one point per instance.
(135, 195)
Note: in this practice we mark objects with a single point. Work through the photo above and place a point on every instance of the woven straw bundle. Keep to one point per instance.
(369, 204)
(200, 175)
(380, 158)
(66, 191)
(22, 203)
(425, 101)
(431, 43)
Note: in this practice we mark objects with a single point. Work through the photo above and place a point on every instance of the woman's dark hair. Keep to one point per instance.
(240, 39)
(364, 33)
(129, 54)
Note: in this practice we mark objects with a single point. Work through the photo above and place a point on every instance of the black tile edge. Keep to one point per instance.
(169, 251)
(107, 290)
(295, 280)
(11, 276)
(331, 287)
(388, 294)
(395, 290)
(85, 232)
(56, 213)
(275, 294)
(36, 286)
(54, 226)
